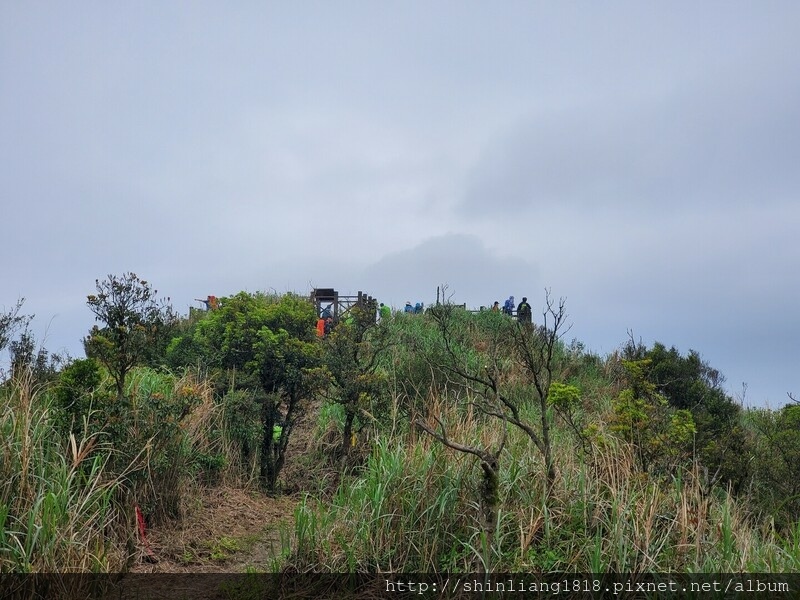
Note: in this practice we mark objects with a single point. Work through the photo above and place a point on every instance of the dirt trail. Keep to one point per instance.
(226, 530)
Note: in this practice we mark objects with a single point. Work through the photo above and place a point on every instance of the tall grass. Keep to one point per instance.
(414, 507)
(169, 431)
(67, 499)
(57, 509)
(406, 511)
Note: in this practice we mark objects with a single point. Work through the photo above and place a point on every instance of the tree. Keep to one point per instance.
(287, 365)
(777, 464)
(660, 436)
(481, 355)
(183, 350)
(74, 393)
(687, 383)
(351, 356)
(25, 356)
(133, 321)
(490, 465)
(532, 347)
(10, 321)
(535, 347)
(38, 362)
(269, 342)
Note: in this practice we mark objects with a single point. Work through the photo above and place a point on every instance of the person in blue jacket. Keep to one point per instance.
(508, 307)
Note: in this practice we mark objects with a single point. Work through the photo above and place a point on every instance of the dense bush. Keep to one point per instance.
(688, 383)
(776, 464)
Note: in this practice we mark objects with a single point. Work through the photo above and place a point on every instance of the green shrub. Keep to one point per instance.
(77, 393)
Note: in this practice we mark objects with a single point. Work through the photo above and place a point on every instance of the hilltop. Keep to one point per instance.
(441, 441)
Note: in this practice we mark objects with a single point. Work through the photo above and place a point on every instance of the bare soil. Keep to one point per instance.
(228, 529)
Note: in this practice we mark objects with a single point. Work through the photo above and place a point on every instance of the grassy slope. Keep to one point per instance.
(403, 502)
(413, 505)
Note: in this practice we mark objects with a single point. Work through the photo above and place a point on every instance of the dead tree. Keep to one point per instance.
(490, 465)
(534, 348)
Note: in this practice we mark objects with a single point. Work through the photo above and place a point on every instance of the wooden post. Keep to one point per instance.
(335, 306)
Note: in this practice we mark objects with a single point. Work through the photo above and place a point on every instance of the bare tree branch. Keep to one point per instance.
(442, 437)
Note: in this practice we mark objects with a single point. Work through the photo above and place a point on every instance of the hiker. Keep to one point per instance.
(385, 312)
(496, 306)
(408, 308)
(320, 327)
(508, 307)
(524, 312)
(211, 302)
(418, 308)
(328, 325)
(326, 312)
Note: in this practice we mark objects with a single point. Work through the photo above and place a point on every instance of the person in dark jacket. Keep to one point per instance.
(524, 312)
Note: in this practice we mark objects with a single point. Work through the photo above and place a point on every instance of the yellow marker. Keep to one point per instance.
(353, 439)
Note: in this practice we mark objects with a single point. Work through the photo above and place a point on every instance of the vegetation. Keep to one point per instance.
(134, 323)
(269, 341)
(10, 322)
(352, 355)
(447, 440)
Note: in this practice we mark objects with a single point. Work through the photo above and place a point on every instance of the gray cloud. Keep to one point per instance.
(638, 159)
(722, 142)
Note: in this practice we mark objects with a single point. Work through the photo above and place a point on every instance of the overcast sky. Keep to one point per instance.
(640, 159)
